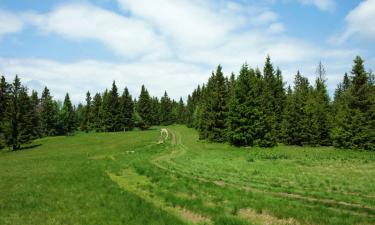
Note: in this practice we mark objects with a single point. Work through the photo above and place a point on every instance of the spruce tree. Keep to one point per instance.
(48, 114)
(67, 116)
(105, 112)
(86, 124)
(244, 109)
(213, 122)
(19, 128)
(166, 117)
(323, 109)
(144, 107)
(4, 102)
(181, 112)
(35, 102)
(126, 111)
(155, 111)
(96, 112)
(361, 106)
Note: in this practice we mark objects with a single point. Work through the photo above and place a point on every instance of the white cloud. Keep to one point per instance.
(325, 5)
(124, 35)
(359, 22)
(175, 45)
(9, 23)
(78, 77)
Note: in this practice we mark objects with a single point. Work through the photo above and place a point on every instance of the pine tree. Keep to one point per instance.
(244, 109)
(361, 106)
(67, 116)
(19, 127)
(267, 121)
(126, 111)
(86, 124)
(48, 114)
(166, 117)
(105, 112)
(323, 110)
(155, 111)
(144, 107)
(96, 112)
(295, 125)
(4, 102)
(213, 122)
(181, 112)
(35, 102)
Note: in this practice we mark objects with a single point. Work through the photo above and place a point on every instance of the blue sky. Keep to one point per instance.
(75, 46)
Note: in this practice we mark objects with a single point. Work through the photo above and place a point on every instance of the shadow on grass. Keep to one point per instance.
(28, 147)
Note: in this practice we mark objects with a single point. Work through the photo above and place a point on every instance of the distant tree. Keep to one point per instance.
(35, 120)
(96, 112)
(67, 116)
(126, 111)
(48, 114)
(155, 111)
(86, 124)
(19, 127)
(323, 109)
(144, 107)
(181, 112)
(166, 116)
(4, 103)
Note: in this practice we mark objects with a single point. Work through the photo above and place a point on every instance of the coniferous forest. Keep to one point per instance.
(252, 108)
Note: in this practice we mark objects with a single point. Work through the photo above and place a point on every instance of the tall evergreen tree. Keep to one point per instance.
(86, 124)
(322, 110)
(166, 116)
(35, 102)
(244, 109)
(96, 112)
(126, 111)
(19, 127)
(214, 108)
(155, 111)
(4, 102)
(48, 114)
(181, 112)
(144, 107)
(67, 116)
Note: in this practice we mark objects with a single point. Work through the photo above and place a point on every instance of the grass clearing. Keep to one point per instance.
(128, 178)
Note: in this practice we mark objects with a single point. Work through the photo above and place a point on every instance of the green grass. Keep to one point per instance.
(127, 178)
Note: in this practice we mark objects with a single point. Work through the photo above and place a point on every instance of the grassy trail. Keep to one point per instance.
(132, 178)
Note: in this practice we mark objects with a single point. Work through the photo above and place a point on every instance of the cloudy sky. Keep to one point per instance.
(173, 45)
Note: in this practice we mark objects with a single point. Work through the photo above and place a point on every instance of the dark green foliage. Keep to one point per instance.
(4, 98)
(49, 114)
(354, 110)
(214, 108)
(67, 117)
(181, 112)
(295, 125)
(166, 116)
(244, 109)
(86, 123)
(126, 111)
(96, 112)
(18, 125)
(110, 110)
(155, 111)
(144, 107)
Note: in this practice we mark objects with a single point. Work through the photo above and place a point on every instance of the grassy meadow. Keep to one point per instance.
(130, 178)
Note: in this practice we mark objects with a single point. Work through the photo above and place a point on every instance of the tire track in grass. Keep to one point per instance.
(179, 150)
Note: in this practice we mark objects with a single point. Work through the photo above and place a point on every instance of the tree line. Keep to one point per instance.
(253, 108)
(25, 117)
